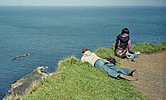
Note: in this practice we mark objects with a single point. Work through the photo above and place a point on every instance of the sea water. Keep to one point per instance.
(51, 34)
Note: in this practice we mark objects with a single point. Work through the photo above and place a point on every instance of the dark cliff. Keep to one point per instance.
(25, 84)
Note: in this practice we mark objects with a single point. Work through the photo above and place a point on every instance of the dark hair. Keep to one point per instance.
(125, 30)
(84, 50)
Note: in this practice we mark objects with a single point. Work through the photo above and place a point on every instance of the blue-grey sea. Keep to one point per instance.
(51, 34)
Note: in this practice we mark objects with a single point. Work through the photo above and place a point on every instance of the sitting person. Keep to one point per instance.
(108, 67)
(125, 42)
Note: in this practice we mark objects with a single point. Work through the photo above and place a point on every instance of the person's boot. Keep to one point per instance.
(129, 78)
(134, 74)
(130, 59)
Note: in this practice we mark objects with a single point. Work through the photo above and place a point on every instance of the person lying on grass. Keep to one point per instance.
(108, 67)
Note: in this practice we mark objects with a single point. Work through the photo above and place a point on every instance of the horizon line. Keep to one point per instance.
(82, 6)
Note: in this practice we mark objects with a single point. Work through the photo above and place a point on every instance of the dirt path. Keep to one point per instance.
(152, 74)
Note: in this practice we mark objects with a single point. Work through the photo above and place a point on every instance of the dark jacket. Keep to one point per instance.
(124, 42)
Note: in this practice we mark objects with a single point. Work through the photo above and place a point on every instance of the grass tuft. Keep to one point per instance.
(149, 47)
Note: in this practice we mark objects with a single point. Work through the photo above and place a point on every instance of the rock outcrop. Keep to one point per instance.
(25, 84)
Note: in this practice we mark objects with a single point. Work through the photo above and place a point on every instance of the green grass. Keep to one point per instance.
(149, 47)
(76, 80)
(81, 81)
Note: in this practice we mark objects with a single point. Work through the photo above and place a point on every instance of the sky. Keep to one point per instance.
(82, 2)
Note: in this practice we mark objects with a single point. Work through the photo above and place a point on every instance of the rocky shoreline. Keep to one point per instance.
(24, 85)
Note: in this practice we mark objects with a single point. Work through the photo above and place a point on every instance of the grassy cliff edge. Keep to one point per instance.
(76, 80)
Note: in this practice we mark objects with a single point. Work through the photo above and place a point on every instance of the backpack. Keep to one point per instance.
(110, 59)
